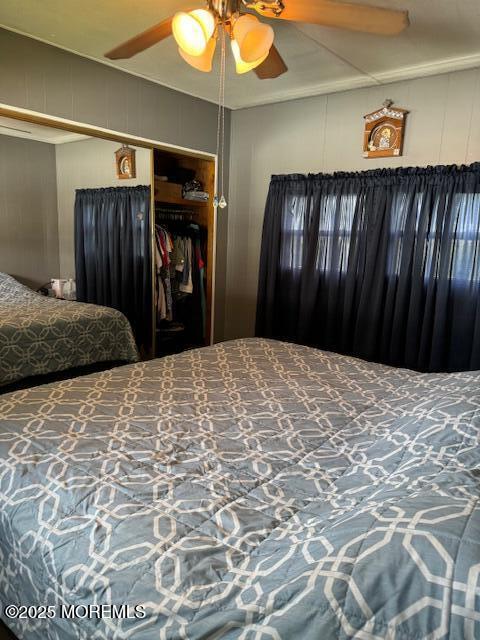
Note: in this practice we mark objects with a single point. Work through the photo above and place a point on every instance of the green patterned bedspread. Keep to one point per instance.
(40, 335)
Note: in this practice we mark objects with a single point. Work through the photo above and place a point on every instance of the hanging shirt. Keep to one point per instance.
(186, 286)
(179, 253)
(203, 300)
(163, 248)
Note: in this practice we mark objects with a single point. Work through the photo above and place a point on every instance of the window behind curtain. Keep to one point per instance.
(382, 264)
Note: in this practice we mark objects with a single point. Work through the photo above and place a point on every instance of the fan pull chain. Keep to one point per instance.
(221, 202)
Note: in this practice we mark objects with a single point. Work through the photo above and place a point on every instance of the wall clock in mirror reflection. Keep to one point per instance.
(384, 131)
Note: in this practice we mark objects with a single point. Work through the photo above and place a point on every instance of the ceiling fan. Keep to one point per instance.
(195, 31)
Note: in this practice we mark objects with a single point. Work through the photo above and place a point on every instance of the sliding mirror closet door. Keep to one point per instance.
(112, 224)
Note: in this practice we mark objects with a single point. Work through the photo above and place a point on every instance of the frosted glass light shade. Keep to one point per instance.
(204, 61)
(193, 30)
(206, 19)
(253, 37)
(240, 65)
(243, 24)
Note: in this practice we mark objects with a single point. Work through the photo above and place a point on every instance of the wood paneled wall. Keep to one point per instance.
(28, 210)
(325, 134)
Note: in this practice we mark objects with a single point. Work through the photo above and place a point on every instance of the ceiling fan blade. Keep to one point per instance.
(345, 15)
(143, 41)
(272, 67)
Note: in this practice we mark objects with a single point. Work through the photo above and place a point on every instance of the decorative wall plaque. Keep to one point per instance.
(384, 130)
(125, 163)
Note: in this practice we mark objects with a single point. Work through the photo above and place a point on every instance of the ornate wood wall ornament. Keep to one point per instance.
(384, 131)
(125, 163)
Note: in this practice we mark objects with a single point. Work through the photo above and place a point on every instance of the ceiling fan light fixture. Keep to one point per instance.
(240, 65)
(192, 31)
(204, 61)
(254, 38)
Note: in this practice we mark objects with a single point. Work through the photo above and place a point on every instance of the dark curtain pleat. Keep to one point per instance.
(112, 253)
(382, 264)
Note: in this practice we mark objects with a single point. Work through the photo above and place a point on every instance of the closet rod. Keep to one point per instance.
(176, 211)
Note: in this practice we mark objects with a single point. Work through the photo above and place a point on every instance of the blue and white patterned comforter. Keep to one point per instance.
(250, 490)
(40, 335)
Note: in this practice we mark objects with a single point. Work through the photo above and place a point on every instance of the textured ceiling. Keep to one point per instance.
(444, 35)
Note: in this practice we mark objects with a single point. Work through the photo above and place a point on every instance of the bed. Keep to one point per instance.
(40, 335)
(249, 490)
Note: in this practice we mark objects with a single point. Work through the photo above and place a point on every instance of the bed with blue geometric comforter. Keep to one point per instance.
(249, 490)
(40, 335)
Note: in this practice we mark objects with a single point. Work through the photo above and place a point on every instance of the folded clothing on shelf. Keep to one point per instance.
(201, 196)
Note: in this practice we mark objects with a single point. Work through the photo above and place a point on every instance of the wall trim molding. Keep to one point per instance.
(439, 67)
(412, 72)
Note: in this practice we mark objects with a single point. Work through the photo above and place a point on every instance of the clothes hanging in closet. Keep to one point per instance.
(180, 281)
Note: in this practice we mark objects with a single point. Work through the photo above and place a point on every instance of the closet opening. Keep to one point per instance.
(183, 236)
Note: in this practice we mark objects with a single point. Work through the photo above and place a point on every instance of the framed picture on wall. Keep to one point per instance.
(384, 131)
(125, 163)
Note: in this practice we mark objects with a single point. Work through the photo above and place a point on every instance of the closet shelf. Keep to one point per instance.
(171, 193)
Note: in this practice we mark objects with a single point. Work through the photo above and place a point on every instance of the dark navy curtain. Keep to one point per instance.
(382, 264)
(112, 253)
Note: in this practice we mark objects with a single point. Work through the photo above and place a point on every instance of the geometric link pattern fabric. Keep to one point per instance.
(40, 335)
(252, 490)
